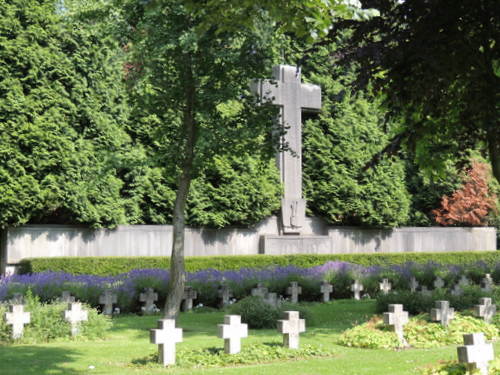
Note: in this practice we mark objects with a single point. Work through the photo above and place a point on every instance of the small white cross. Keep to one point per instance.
(385, 286)
(260, 291)
(486, 309)
(232, 331)
(413, 284)
(189, 295)
(438, 283)
(443, 313)
(291, 327)
(75, 315)
(225, 294)
(108, 299)
(67, 297)
(357, 287)
(166, 336)
(476, 353)
(397, 318)
(293, 291)
(17, 318)
(326, 289)
(149, 298)
(487, 283)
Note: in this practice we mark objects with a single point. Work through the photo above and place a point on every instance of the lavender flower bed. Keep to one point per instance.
(49, 285)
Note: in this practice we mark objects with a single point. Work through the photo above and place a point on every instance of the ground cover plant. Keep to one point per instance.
(112, 357)
(455, 368)
(48, 324)
(420, 332)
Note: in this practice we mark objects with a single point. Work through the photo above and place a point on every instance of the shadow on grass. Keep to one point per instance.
(24, 359)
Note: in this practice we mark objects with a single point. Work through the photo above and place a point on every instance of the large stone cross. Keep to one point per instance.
(397, 318)
(232, 331)
(189, 295)
(166, 336)
(326, 289)
(486, 309)
(476, 353)
(292, 96)
(74, 315)
(149, 297)
(108, 299)
(442, 313)
(356, 288)
(17, 318)
(293, 291)
(291, 327)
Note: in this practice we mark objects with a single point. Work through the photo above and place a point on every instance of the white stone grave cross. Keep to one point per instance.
(385, 286)
(291, 327)
(189, 295)
(225, 294)
(149, 297)
(74, 315)
(260, 291)
(397, 318)
(17, 318)
(272, 299)
(293, 291)
(356, 288)
(326, 289)
(67, 297)
(487, 283)
(166, 336)
(438, 283)
(486, 309)
(413, 284)
(292, 96)
(232, 331)
(442, 313)
(476, 353)
(108, 299)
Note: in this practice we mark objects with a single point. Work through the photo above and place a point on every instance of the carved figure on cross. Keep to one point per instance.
(291, 327)
(476, 353)
(108, 299)
(188, 297)
(397, 318)
(443, 313)
(149, 297)
(413, 284)
(487, 283)
(74, 315)
(326, 289)
(17, 318)
(287, 91)
(385, 286)
(357, 288)
(166, 336)
(293, 291)
(486, 309)
(232, 331)
(225, 294)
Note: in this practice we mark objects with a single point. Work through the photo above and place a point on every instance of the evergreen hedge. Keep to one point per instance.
(115, 265)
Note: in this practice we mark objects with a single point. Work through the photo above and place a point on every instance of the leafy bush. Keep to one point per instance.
(106, 266)
(48, 324)
(419, 333)
(454, 368)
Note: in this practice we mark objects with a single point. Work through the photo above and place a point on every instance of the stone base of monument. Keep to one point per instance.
(295, 244)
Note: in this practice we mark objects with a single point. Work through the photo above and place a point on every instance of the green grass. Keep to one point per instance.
(128, 345)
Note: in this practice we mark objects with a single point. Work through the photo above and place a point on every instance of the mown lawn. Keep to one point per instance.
(127, 347)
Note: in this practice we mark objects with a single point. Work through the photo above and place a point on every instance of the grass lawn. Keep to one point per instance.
(128, 345)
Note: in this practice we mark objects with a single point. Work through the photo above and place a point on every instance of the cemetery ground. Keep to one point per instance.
(127, 350)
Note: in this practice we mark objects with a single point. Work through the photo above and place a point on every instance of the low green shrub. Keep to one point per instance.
(250, 354)
(259, 314)
(455, 368)
(106, 266)
(48, 324)
(419, 333)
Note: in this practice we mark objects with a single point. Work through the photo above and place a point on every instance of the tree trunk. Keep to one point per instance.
(177, 280)
(494, 151)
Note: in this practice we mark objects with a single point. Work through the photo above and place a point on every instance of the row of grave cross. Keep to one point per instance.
(166, 335)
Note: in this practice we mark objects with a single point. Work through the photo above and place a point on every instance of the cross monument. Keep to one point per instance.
(166, 336)
(232, 331)
(476, 353)
(17, 318)
(442, 313)
(291, 327)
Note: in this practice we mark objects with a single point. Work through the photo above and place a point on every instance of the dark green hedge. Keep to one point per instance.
(115, 265)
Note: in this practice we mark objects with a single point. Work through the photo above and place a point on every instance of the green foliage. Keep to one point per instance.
(419, 333)
(116, 265)
(454, 368)
(48, 324)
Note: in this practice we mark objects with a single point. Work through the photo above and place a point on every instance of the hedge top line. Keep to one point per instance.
(115, 265)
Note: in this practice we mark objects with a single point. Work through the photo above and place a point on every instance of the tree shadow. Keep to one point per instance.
(25, 359)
